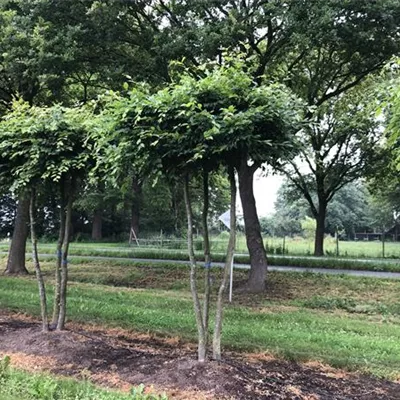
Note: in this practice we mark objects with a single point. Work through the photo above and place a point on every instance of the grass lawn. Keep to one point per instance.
(346, 322)
(294, 246)
(105, 250)
(19, 385)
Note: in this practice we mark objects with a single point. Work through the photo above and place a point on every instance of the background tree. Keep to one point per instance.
(338, 148)
(347, 212)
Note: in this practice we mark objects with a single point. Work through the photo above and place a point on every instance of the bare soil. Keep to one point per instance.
(120, 359)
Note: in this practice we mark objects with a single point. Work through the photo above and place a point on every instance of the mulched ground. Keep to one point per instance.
(120, 359)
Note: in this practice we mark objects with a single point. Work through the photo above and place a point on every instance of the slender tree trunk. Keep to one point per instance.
(201, 349)
(16, 255)
(61, 233)
(227, 269)
(258, 257)
(64, 264)
(136, 204)
(97, 224)
(320, 229)
(207, 254)
(39, 276)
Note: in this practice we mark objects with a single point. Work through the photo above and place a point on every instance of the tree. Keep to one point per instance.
(41, 147)
(338, 148)
(346, 212)
(66, 52)
(320, 49)
(217, 118)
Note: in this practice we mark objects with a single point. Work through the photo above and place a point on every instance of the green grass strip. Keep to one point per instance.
(350, 340)
(19, 385)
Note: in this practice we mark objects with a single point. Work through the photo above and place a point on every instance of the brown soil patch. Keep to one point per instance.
(119, 358)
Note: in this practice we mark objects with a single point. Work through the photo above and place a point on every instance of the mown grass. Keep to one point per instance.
(302, 316)
(20, 385)
(386, 265)
(286, 286)
(293, 246)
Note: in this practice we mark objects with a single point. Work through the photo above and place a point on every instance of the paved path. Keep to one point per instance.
(329, 271)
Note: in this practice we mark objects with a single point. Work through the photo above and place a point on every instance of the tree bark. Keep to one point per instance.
(39, 276)
(16, 255)
(207, 254)
(227, 269)
(64, 263)
(320, 229)
(97, 225)
(136, 204)
(255, 245)
(201, 347)
(61, 233)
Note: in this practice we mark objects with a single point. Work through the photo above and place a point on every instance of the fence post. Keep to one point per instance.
(337, 242)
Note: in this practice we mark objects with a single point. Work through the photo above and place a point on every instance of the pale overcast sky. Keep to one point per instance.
(265, 191)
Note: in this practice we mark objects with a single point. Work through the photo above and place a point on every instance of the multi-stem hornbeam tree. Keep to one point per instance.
(41, 147)
(196, 126)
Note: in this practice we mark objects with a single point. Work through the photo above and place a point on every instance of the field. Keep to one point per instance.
(331, 321)
(293, 246)
(176, 250)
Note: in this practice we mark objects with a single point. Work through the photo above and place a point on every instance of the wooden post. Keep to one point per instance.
(337, 242)
(133, 236)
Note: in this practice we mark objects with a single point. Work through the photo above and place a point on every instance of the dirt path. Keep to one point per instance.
(119, 358)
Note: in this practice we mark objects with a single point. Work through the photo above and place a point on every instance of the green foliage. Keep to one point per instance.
(42, 145)
(308, 225)
(194, 122)
(348, 211)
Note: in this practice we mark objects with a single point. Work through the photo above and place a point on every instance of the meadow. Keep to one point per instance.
(297, 246)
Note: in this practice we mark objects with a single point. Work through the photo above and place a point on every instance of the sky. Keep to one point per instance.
(265, 192)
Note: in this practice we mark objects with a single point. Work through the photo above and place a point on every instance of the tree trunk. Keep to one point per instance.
(201, 348)
(97, 225)
(39, 276)
(61, 233)
(136, 204)
(207, 255)
(258, 257)
(64, 264)
(227, 269)
(16, 255)
(320, 229)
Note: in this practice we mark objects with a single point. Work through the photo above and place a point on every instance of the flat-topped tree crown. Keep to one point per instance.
(216, 119)
(42, 145)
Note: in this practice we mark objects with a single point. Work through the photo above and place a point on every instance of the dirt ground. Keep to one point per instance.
(120, 359)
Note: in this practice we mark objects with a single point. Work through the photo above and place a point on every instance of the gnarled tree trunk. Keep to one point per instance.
(258, 257)
(16, 255)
